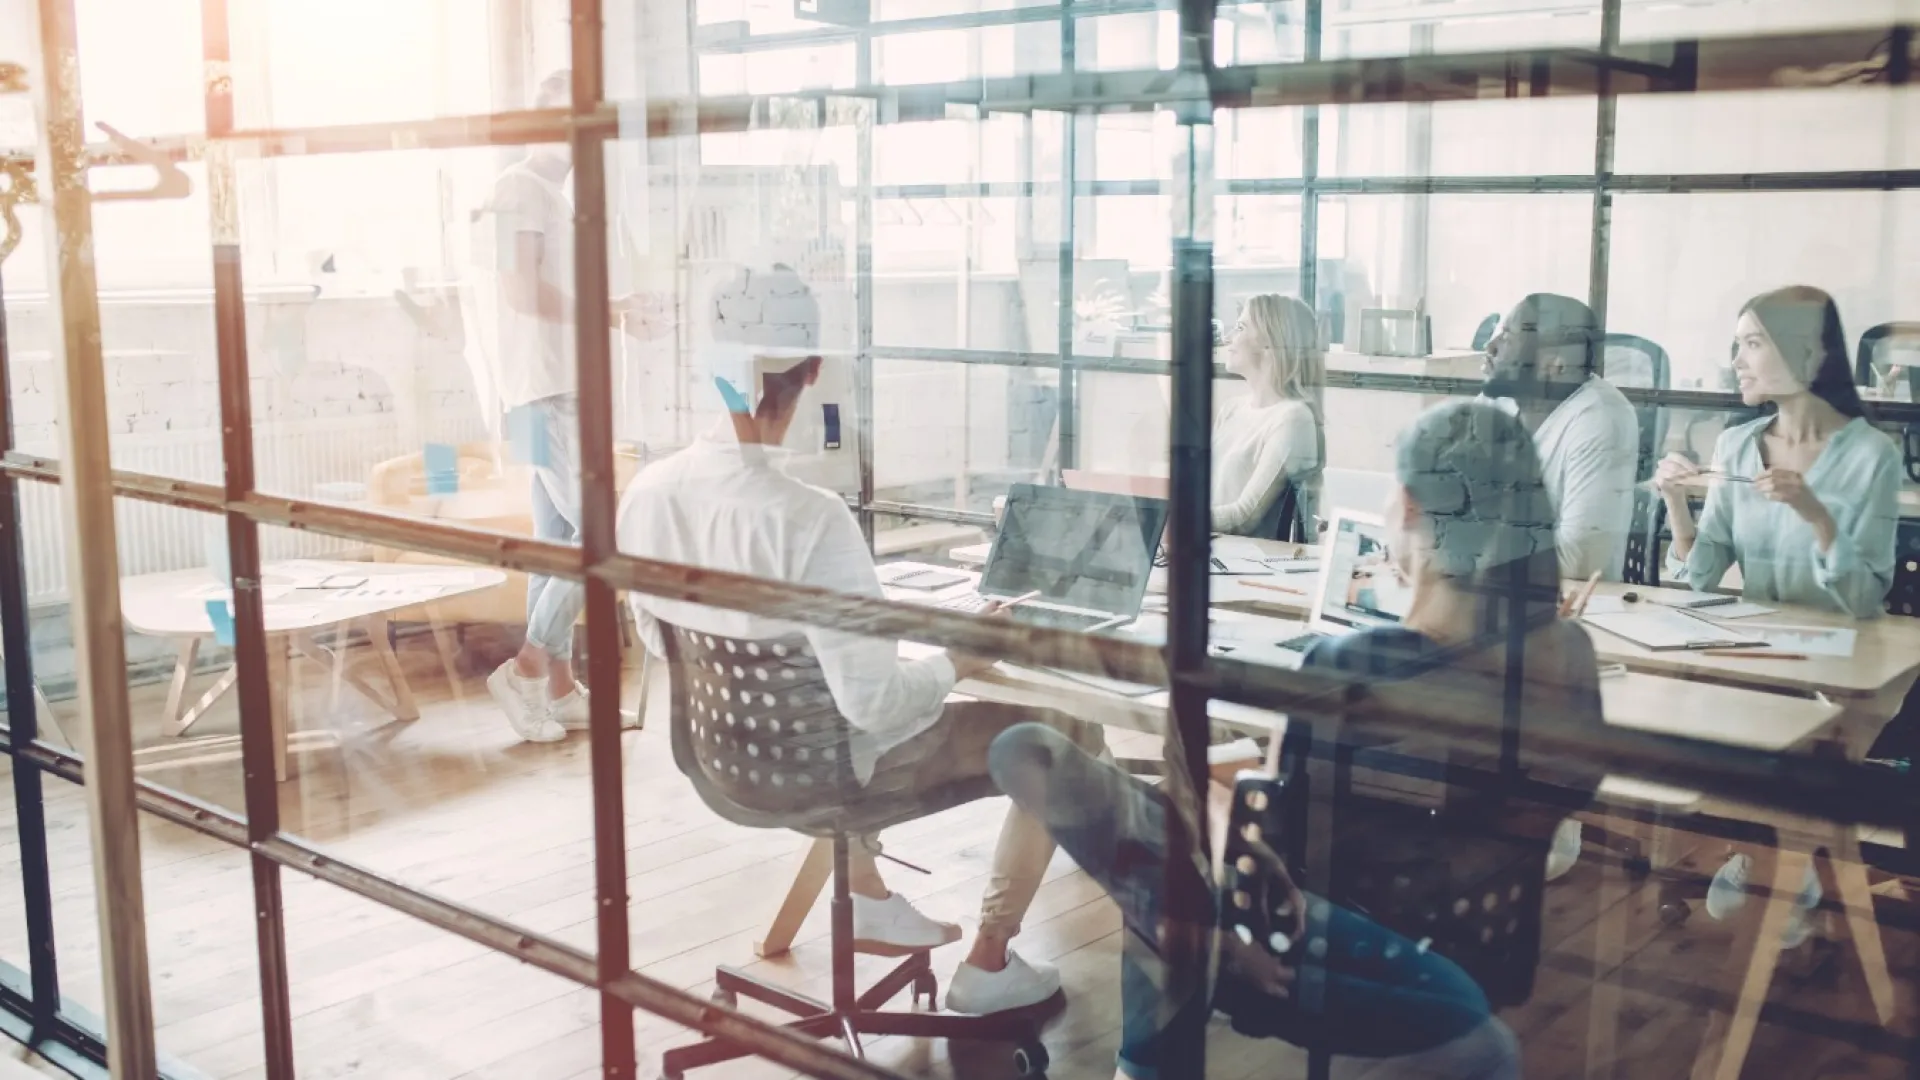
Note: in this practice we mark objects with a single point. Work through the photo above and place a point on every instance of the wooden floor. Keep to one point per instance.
(454, 804)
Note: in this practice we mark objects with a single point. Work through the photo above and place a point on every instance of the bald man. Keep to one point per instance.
(1545, 358)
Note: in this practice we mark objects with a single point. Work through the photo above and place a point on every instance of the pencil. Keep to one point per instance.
(1754, 654)
(1274, 588)
(1593, 582)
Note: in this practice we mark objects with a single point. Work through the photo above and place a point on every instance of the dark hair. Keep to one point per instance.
(1805, 322)
(1475, 475)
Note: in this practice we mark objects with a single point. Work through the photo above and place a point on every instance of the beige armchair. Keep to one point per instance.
(492, 495)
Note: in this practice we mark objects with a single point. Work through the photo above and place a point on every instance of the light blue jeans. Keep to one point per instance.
(552, 446)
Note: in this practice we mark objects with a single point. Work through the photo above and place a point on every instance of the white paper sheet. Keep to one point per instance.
(1806, 640)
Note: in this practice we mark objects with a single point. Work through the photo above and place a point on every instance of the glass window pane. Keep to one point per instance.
(944, 151)
(777, 71)
(1683, 264)
(993, 52)
(1528, 137)
(1829, 130)
(1258, 143)
(1407, 28)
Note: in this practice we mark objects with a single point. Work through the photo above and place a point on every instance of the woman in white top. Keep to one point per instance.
(1271, 435)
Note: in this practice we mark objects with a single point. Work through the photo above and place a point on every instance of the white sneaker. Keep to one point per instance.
(1565, 851)
(1016, 986)
(1728, 894)
(525, 703)
(570, 709)
(893, 927)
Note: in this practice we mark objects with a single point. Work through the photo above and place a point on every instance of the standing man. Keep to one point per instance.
(535, 376)
(1546, 358)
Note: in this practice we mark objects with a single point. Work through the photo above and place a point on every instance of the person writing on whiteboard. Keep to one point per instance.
(1545, 358)
(727, 503)
(1270, 436)
(1804, 499)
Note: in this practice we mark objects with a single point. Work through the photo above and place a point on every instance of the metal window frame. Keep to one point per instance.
(1837, 790)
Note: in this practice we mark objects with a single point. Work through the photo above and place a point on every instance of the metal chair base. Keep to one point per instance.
(850, 1016)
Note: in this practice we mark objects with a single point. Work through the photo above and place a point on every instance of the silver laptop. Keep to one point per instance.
(1088, 555)
(1358, 588)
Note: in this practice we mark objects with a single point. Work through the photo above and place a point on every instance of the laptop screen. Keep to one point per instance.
(1358, 586)
(1083, 549)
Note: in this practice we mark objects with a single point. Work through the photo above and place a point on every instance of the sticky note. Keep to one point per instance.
(527, 436)
(220, 614)
(442, 464)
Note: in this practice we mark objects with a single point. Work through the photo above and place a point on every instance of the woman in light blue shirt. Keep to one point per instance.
(1804, 499)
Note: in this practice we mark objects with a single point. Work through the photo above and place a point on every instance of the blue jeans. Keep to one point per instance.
(1384, 997)
(553, 604)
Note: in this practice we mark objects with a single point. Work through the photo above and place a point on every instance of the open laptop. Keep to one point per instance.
(1358, 589)
(1087, 553)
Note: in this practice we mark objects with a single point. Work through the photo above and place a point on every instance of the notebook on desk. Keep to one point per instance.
(1667, 630)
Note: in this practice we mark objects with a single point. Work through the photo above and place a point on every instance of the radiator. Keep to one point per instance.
(291, 458)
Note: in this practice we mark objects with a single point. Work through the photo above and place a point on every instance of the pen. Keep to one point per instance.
(1274, 588)
(1753, 654)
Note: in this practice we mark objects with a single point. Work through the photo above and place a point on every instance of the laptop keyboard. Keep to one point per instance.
(974, 603)
(1298, 644)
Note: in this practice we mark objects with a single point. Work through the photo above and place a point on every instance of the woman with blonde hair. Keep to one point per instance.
(1271, 435)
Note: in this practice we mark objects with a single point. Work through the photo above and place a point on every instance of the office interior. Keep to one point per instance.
(270, 501)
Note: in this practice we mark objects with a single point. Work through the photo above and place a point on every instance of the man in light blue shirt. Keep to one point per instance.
(1545, 358)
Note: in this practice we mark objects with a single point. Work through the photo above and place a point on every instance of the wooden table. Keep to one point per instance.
(174, 605)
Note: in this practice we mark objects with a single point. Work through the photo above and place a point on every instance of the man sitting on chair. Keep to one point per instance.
(725, 503)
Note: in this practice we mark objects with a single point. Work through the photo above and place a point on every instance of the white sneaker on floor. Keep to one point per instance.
(1728, 894)
(525, 703)
(893, 927)
(1565, 851)
(570, 709)
(1016, 986)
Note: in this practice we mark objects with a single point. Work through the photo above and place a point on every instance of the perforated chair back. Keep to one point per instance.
(1632, 361)
(1282, 519)
(1904, 597)
(755, 727)
(1642, 566)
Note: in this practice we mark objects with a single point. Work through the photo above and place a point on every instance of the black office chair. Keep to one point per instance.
(1871, 343)
(1642, 566)
(1282, 519)
(1632, 361)
(1484, 332)
(755, 728)
(1898, 744)
(1475, 894)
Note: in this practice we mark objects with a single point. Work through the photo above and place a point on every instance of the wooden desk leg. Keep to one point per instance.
(1616, 899)
(404, 707)
(279, 695)
(1721, 1058)
(1847, 880)
(177, 688)
(815, 869)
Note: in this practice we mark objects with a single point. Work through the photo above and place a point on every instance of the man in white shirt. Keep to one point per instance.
(725, 503)
(1545, 358)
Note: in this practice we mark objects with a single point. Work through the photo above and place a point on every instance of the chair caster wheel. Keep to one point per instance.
(928, 987)
(1639, 866)
(1675, 912)
(1030, 1060)
(723, 996)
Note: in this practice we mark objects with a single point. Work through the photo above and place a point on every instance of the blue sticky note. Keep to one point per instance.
(220, 614)
(730, 394)
(442, 464)
(527, 436)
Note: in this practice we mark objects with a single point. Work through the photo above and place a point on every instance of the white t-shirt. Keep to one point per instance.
(531, 357)
(714, 506)
(1589, 450)
(1257, 449)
